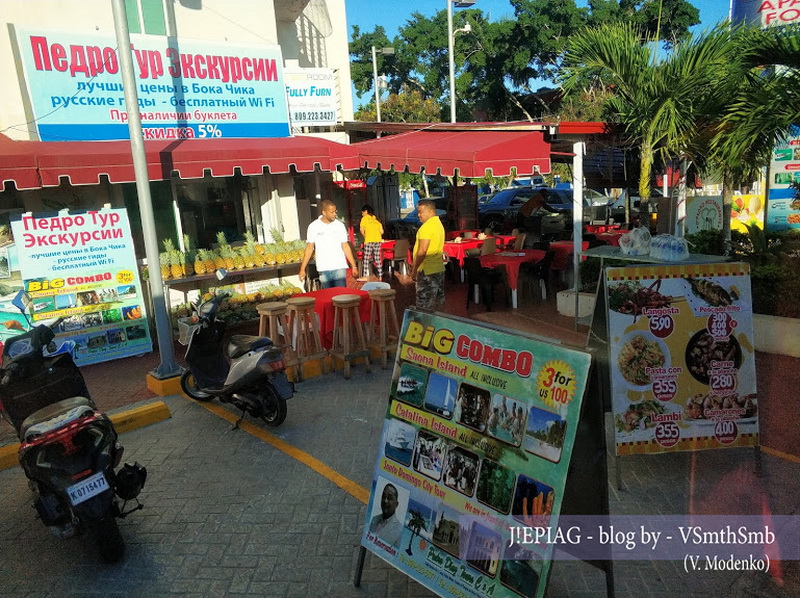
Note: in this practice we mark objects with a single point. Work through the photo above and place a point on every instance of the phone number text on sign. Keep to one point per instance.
(313, 116)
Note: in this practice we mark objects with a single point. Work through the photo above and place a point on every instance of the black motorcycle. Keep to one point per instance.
(69, 450)
(254, 381)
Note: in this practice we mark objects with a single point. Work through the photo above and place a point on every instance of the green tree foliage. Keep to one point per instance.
(408, 106)
(498, 62)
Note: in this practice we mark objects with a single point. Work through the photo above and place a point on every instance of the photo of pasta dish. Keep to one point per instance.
(635, 356)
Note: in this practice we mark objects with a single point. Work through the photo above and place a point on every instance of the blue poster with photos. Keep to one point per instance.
(476, 443)
(81, 267)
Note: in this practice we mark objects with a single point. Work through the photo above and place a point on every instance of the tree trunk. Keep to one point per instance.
(727, 205)
(645, 171)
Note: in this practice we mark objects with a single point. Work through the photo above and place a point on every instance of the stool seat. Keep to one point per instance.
(384, 330)
(271, 307)
(297, 302)
(349, 342)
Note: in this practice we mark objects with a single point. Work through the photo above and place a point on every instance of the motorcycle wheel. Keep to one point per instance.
(110, 542)
(274, 407)
(190, 387)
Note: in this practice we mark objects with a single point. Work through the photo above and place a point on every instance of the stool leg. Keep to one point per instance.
(317, 340)
(262, 324)
(361, 339)
(382, 333)
(346, 342)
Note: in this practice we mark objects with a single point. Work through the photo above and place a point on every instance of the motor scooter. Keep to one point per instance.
(254, 381)
(68, 449)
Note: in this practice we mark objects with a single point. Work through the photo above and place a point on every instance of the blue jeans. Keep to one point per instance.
(333, 278)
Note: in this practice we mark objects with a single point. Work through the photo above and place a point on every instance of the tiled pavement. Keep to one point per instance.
(228, 515)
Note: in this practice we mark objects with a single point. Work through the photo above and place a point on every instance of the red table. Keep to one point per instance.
(612, 238)
(324, 309)
(601, 228)
(452, 234)
(512, 261)
(387, 250)
(564, 249)
(458, 250)
(504, 240)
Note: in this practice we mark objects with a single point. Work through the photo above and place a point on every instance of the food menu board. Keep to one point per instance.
(476, 443)
(682, 358)
(81, 266)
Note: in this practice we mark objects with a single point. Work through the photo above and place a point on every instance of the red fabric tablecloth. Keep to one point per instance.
(387, 250)
(457, 251)
(612, 238)
(324, 309)
(563, 249)
(512, 262)
(600, 228)
(452, 234)
(504, 240)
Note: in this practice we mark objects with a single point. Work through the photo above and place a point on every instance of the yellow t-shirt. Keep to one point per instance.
(434, 232)
(373, 229)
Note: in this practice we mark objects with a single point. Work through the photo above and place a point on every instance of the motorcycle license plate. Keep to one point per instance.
(91, 486)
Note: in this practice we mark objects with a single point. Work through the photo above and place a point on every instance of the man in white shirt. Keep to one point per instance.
(328, 237)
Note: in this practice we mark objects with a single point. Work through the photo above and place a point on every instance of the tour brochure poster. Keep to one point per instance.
(81, 266)
(477, 442)
(682, 360)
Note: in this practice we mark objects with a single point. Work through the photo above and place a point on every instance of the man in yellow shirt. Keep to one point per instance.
(372, 231)
(428, 267)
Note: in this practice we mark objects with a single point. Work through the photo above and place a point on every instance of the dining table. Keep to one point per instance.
(562, 250)
(324, 309)
(457, 250)
(611, 237)
(512, 260)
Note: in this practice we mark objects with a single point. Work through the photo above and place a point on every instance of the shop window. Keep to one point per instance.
(163, 213)
(211, 206)
(146, 16)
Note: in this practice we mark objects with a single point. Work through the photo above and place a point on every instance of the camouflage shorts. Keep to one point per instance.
(430, 291)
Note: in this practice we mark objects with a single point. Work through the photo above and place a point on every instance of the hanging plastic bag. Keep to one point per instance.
(636, 242)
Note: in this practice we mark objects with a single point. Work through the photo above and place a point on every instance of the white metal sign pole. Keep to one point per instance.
(168, 368)
(577, 217)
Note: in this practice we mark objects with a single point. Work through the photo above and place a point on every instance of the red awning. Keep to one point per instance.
(472, 153)
(18, 163)
(83, 162)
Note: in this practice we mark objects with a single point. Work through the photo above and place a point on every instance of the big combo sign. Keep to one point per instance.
(477, 441)
(187, 88)
(81, 267)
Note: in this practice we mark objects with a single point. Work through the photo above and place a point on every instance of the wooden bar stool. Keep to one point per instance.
(383, 328)
(304, 332)
(274, 323)
(348, 333)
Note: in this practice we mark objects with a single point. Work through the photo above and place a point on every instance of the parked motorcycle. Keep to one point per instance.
(69, 450)
(254, 381)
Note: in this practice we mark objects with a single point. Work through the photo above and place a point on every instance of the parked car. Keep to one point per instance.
(501, 211)
(407, 226)
(617, 207)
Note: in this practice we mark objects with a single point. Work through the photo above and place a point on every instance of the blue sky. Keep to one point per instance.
(393, 14)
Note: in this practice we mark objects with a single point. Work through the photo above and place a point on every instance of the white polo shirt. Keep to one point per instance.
(327, 238)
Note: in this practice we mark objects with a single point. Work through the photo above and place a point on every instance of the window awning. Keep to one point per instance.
(472, 153)
(18, 164)
(84, 162)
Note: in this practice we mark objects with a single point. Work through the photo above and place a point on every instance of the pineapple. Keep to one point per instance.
(228, 255)
(175, 264)
(187, 265)
(238, 259)
(219, 260)
(163, 259)
(199, 263)
(210, 260)
(248, 254)
(277, 235)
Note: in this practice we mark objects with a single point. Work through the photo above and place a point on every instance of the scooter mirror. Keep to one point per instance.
(221, 273)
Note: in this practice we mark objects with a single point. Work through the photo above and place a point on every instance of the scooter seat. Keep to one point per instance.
(240, 344)
(53, 412)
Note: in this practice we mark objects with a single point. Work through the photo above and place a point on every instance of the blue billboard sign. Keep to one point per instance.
(187, 89)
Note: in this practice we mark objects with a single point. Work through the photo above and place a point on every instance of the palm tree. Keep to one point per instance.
(657, 102)
(415, 524)
(764, 108)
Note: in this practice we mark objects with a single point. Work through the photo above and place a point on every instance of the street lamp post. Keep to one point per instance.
(450, 43)
(375, 52)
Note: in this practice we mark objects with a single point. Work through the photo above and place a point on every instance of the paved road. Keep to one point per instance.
(230, 515)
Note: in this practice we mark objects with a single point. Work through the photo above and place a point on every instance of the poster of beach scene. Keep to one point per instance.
(441, 395)
(506, 419)
(545, 434)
